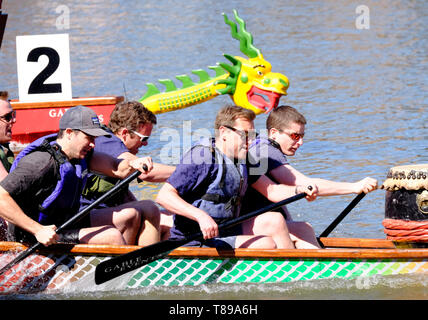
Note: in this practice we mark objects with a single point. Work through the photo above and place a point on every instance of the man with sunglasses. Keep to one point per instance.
(42, 190)
(210, 182)
(268, 156)
(130, 127)
(7, 120)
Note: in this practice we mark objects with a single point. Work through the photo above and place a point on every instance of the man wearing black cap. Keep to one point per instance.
(43, 188)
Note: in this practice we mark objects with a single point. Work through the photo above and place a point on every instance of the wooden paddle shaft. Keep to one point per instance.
(342, 215)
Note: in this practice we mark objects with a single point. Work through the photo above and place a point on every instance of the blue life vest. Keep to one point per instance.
(222, 200)
(223, 197)
(253, 199)
(64, 201)
(263, 140)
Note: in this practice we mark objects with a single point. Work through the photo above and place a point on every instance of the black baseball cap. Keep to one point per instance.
(84, 119)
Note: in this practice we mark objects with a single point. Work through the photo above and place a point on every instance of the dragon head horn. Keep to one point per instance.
(245, 38)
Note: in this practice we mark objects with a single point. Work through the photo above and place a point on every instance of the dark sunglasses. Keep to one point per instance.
(9, 117)
(245, 135)
(142, 137)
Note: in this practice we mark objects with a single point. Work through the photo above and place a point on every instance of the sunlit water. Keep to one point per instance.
(363, 93)
(409, 287)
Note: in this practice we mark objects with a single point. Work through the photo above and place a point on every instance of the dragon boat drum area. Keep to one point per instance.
(406, 204)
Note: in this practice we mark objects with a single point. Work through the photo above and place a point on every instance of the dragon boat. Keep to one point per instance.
(70, 268)
(251, 84)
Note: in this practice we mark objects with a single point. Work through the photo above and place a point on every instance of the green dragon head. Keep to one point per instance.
(251, 82)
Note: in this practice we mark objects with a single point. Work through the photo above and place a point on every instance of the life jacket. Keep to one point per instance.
(223, 197)
(253, 199)
(6, 156)
(222, 200)
(6, 159)
(263, 140)
(98, 184)
(259, 155)
(64, 201)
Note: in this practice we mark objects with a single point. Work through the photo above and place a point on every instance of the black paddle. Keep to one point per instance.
(342, 215)
(122, 264)
(75, 218)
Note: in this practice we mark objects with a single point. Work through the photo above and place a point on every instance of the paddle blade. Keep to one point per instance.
(122, 264)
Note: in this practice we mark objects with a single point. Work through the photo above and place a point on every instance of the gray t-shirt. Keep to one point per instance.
(31, 181)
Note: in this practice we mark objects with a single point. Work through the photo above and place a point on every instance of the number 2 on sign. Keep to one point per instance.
(38, 85)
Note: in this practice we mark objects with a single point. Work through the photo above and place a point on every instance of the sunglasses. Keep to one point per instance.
(293, 135)
(142, 137)
(9, 117)
(245, 135)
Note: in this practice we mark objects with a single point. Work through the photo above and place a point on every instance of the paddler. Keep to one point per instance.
(268, 155)
(130, 127)
(43, 189)
(7, 120)
(210, 181)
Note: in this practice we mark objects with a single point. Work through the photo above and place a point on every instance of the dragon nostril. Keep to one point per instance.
(267, 81)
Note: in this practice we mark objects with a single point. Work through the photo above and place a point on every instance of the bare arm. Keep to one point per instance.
(10, 211)
(3, 172)
(160, 172)
(169, 198)
(118, 168)
(331, 188)
(288, 175)
(276, 192)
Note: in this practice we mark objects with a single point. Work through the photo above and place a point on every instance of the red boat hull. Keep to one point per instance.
(36, 119)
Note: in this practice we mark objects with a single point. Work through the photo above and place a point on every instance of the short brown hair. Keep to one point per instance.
(130, 115)
(282, 116)
(229, 114)
(4, 95)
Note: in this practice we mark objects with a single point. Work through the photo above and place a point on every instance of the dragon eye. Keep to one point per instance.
(259, 73)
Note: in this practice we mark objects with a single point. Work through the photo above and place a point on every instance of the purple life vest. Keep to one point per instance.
(64, 201)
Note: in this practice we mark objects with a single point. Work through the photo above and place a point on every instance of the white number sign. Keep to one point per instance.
(43, 63)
